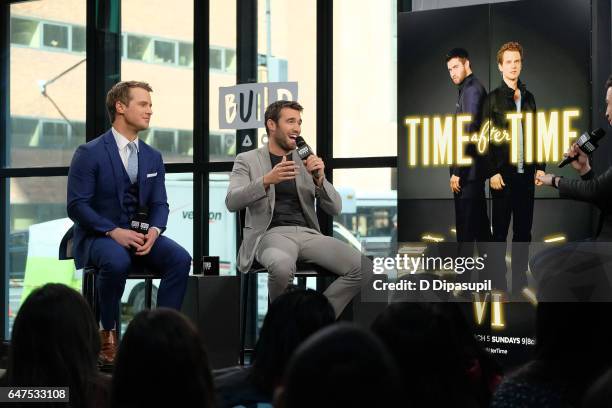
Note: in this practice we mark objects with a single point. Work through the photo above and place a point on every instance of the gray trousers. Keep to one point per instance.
(281, 247)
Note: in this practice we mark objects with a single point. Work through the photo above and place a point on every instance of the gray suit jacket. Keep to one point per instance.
(246, 190)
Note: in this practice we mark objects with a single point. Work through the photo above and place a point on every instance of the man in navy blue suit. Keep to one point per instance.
(109, 179)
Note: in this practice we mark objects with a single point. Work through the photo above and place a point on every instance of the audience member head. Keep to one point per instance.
(573, 344)
(162, 362)
(291, 318)
(440, 362)
(340, 366)
(600, 393)
(55, 343)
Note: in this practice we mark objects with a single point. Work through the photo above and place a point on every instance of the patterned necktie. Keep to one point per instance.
(132, 165)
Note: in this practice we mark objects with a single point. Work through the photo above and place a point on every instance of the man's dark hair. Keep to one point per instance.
(55, 342)
(291, 318)
(342, 365)
(120, 92)
(432, 344)
(609, 82)
(162, 362)
(274, 109)
(460, 53)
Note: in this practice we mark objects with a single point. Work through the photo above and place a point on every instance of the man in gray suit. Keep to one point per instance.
(278, 191)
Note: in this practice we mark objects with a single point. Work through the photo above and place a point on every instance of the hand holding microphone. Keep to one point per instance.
(140, 224)
(586, 144)
(580, 160)
(313, 163)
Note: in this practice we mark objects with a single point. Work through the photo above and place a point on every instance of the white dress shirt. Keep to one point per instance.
(124, 153)
(122, 143)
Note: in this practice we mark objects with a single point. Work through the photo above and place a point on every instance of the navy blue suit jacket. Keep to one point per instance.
(471, 98)
(95, 191)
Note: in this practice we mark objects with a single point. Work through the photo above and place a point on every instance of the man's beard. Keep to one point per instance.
(284, 143)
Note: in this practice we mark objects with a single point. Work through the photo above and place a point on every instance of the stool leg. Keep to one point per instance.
(89, 291)
(118, 321)
(244, 302)
(148, 292)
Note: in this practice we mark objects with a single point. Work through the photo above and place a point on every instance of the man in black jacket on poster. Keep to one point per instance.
(467, 182)
(512, 184)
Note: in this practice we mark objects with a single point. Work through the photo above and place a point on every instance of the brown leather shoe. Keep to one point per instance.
(108, 349)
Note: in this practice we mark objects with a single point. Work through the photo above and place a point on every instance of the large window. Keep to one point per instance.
(369, 209)
(222, 73)
(37, 222)
(365, 82)
(156, 40)
(137, 47)
(55, 36)
(282, 58)
(24, 32)
(48, 82)
(221, 224)
(185, 58)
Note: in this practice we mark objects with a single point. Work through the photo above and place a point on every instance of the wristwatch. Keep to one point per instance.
(556, 180)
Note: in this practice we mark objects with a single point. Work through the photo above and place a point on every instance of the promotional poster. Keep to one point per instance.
(489, 103)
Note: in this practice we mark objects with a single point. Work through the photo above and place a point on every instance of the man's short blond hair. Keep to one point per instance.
(509, 46)
(120, 92)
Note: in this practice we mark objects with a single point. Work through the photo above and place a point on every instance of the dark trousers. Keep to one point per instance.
(471, 219)
(471, 222)
(514, 201)
(114, 262)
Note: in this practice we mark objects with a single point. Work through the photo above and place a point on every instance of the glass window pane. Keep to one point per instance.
(24, 32)
(78, 39)
(221, 224)
(364, 44)
(186, 55)
(77, 133)
(55, 36)
(54, 135)
(230, 61)
(138, 47)
(179, 188)
(185, 142)
(37, 223)
(154, 40)
(222, 146)
(222, 37)
(216, 146)
(163, 140)
(283, 61)
(215, 57)
(164, 52)
(23, 131)
(60, 103)
(369, 209)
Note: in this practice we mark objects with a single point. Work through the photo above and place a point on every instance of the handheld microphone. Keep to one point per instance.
(303, 150)
(140, 221)
(587, 142)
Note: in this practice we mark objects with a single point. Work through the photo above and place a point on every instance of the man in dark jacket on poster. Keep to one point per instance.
(512, 184)
(467, 182)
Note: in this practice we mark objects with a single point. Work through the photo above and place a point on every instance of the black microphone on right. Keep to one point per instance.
(587, 142)
(303, 150)
(140, 221)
